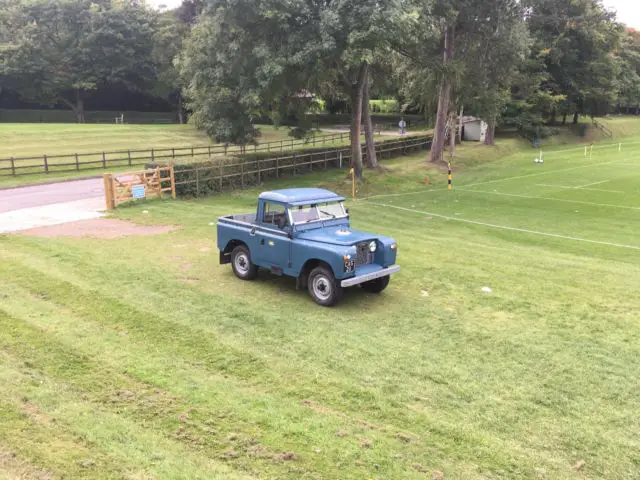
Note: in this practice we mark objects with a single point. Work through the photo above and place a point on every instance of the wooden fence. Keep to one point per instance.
(199, 179)
(129, 186)
(75, 162)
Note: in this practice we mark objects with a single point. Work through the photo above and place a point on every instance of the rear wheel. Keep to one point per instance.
(323, 287)
(377, 285)
(241, 263)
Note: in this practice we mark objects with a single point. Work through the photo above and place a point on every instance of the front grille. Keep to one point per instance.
(363, 255)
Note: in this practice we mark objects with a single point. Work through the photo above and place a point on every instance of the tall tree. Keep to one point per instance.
(62, 50)
(169, 34)
(494, 58)
(576, 40)
(257, 53)
(628, 55)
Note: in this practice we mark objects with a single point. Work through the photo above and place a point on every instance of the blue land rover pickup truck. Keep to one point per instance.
(305, 233)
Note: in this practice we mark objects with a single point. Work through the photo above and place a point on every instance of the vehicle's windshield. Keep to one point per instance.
(317, 212)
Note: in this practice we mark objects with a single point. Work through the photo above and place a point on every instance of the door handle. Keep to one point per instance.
(253, 232)
(262, 241)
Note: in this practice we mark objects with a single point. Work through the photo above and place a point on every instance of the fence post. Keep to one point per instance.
(281, 145)
(311, 162)
(77, 163)
(258, 165)
(46, 164)
(209, 151)
(277, 167)
(197, 181)
(325, 159)
(108, 191)
(192, 152)
(153, 156)
(104, 160)
(173, 182)
(294, 164)
(13, 166)
(129, 156)
(221, 174)
(242, 174)
(173, 154)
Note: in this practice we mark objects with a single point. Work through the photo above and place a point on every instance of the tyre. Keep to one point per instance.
(323, 287)
(241, 263)
(377, 285)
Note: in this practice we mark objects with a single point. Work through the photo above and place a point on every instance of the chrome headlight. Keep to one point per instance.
(373, 246)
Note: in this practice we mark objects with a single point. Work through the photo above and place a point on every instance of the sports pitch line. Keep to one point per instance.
(506, 227)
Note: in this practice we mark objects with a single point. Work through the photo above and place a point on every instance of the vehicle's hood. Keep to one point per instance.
(337, 235)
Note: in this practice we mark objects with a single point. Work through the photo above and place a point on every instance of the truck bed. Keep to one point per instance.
(242, 217)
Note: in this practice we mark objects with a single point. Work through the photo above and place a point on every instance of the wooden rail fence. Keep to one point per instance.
(144, 184)
(199, 179)
(75, 162)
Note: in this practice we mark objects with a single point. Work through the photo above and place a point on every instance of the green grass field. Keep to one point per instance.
(142, 358)
(29, 142)
(35, 139)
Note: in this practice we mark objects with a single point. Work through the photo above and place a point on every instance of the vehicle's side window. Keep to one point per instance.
(275, 214)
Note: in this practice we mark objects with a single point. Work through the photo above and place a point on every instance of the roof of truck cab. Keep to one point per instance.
(297, 196)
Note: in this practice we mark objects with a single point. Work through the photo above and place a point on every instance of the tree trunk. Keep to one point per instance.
(452, 133)
(180, 112)
(564, 118)
(372, 159)
(357, 93)
(576, 115)
(435, 155)
(490, 137)
(552, 117)
(460, 124)
(77, 106)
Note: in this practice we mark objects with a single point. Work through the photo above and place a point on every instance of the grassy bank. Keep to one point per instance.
(140, 357)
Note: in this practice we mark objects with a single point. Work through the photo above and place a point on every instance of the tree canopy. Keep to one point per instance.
(242, 62)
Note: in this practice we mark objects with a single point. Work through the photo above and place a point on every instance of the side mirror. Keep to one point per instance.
(346, 210)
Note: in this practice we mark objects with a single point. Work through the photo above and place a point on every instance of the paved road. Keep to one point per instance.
(41, 205)
(39, 195)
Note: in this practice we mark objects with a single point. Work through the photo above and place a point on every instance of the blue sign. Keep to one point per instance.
(137, 191)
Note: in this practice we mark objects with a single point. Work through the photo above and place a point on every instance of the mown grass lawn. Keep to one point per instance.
(27, 139)
(142, 358)
(28, 144)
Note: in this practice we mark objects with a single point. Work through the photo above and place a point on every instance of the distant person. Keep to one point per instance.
(403, 125)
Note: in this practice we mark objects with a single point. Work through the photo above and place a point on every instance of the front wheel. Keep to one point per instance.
(241, 263)
(323, 287)
(377, 285)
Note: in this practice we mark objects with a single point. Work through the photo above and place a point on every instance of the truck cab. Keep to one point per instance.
(305, 233)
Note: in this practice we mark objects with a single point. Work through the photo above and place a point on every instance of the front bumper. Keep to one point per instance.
(365, 277)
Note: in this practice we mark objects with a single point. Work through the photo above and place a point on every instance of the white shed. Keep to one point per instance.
(474, 129)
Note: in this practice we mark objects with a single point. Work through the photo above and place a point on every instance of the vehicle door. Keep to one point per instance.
(274, 244)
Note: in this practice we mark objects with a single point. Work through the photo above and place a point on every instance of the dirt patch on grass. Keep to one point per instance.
(12, 467)
(106, 228)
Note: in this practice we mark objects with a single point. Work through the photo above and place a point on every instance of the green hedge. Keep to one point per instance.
(203, 178)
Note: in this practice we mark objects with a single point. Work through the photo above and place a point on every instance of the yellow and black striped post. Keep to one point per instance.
(450, 184)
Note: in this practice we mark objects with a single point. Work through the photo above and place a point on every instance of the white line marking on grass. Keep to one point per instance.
(415, 192)
(551, 199)
(594, 183)
(512, 229)
(576, 188)
(540, 173)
